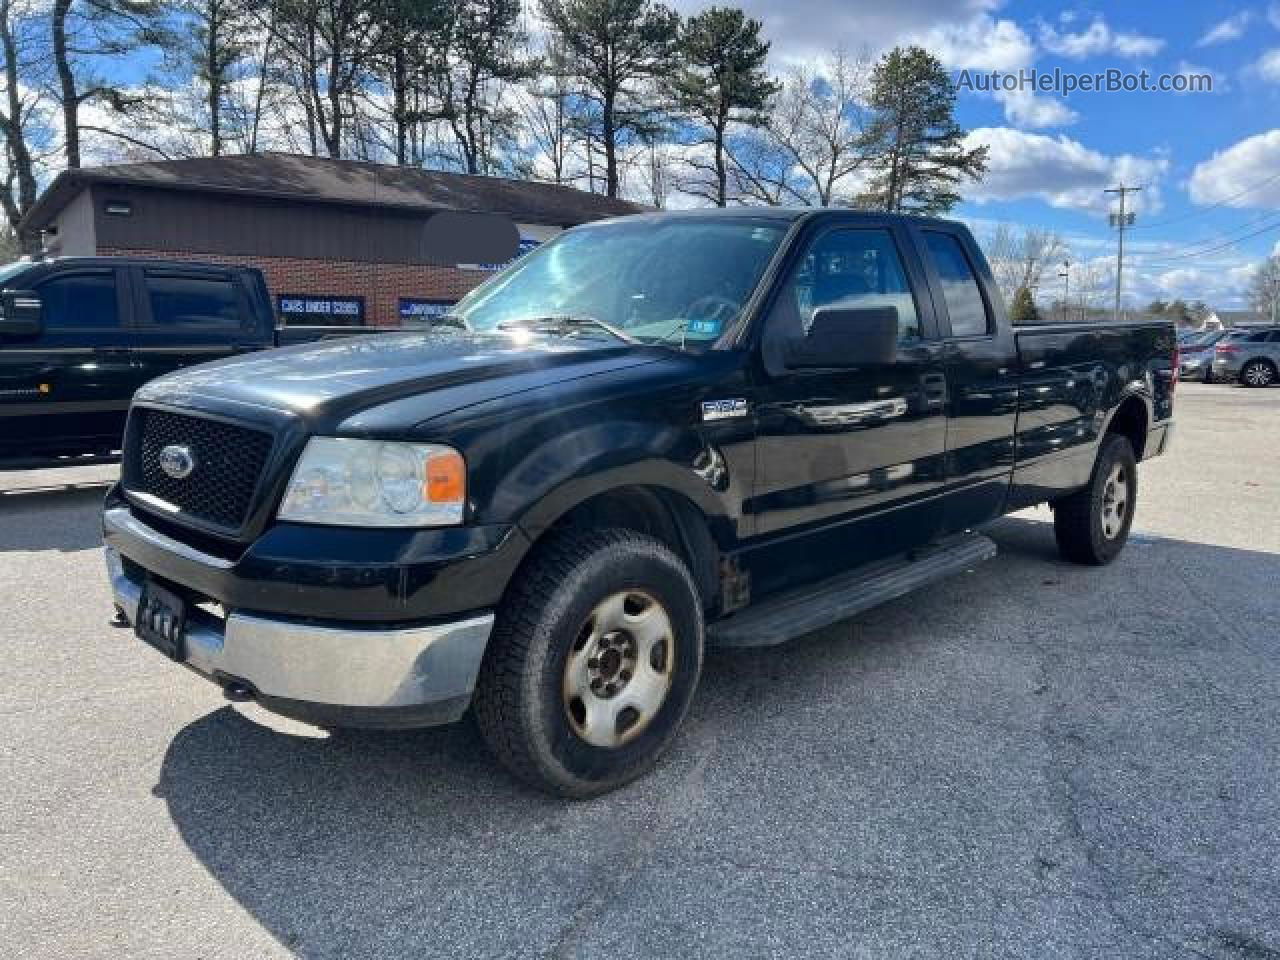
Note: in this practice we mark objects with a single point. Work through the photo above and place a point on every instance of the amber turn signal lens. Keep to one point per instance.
(446, 478)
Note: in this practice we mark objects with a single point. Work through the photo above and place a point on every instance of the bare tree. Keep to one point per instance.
(811, 150)
(20, 187)
(1264, 288)
(1020, 258)
(331, 46)
(549, 109)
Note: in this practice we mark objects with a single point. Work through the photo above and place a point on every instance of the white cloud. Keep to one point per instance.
(1062, 172)
(1268, 66)
(1243, 175)
(1231, 28)
(979, 44)
(1220, 82)
(1023, 108)
(806, 28)
(1098, 39)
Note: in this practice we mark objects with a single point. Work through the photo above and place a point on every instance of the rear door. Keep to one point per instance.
(839, 448)
(67, 390)
(980, 361)
(190, 314)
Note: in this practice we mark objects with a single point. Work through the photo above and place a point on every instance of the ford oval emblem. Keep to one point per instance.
(177, 461)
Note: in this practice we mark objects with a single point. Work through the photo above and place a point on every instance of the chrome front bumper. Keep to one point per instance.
(349, 672)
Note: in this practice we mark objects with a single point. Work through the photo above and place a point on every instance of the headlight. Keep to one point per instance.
(373, 483)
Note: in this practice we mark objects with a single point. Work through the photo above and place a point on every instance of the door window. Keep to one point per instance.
(846, 268)
(80, 301)
(965, 306)
(190, 302)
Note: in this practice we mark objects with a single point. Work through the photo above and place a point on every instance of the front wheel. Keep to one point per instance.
(1258, 373)
(1093, 524)
(593, 662)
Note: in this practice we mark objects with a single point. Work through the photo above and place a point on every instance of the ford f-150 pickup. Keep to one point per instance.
(653, 433)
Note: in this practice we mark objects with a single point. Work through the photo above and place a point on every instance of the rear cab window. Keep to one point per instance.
(966, 307)
(194, 302)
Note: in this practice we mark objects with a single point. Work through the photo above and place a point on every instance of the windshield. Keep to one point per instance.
(679, 281)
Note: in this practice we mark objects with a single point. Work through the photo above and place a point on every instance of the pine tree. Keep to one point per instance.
(920, 149)
(723, 82)
(1023, 309)
(617, 49)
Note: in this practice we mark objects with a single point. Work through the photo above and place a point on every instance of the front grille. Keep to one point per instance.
(229, 462)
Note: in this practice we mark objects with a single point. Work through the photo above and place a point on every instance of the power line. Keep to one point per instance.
(1213, 206)
(1161, 260)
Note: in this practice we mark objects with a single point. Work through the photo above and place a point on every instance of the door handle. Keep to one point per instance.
(935, 390)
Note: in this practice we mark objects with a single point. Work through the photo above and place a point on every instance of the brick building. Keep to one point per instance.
(339, 241)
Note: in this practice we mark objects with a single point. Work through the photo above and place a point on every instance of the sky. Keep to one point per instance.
(1208, 162)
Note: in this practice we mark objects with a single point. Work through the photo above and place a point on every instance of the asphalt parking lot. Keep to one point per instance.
(1032, 760)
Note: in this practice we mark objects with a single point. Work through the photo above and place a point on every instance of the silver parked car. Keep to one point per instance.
(1250, 356)
(1196, 353)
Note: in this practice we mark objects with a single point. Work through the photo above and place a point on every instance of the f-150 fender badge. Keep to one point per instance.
(723, 409)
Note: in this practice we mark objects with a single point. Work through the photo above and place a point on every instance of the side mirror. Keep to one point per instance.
(20, 313)
(846, 337)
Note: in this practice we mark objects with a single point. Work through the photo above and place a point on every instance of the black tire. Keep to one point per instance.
(1081, 521)
(1258, 373)
(521, 704)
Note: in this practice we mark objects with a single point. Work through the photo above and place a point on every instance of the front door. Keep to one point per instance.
(840, 451)
(67, 389)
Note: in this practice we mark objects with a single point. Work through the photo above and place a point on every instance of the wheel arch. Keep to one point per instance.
(667, 514)
(1131, 419)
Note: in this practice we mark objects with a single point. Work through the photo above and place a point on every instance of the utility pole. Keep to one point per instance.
(1066, 291)
(1120, 221)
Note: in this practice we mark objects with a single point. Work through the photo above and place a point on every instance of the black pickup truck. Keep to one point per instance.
(79, 335)
(653, 433)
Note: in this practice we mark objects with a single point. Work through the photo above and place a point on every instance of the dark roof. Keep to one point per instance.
(292, 176)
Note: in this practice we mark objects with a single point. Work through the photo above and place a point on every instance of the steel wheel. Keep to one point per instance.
(1258, 374)
(618, 673)
(1115, 501)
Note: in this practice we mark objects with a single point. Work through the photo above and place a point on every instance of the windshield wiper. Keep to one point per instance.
(567, 322)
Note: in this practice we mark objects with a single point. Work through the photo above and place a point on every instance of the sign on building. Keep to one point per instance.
(320, 310)
(416, 311)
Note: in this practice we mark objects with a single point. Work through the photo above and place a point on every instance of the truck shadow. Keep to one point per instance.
(416, 844)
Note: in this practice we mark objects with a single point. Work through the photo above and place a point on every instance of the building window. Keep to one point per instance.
(305, 309)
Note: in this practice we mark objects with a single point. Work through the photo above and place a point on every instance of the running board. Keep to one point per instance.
(797, 612)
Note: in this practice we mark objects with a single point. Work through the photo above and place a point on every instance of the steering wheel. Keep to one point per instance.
(712, 307)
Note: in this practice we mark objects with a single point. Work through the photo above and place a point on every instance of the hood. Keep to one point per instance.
(443, 369)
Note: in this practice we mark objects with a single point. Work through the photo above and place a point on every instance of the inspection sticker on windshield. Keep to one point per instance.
(723, 409)
(706, 326)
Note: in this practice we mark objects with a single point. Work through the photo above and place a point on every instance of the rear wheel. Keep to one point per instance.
(593, 663)
(1258, 373)
(1092, 525)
